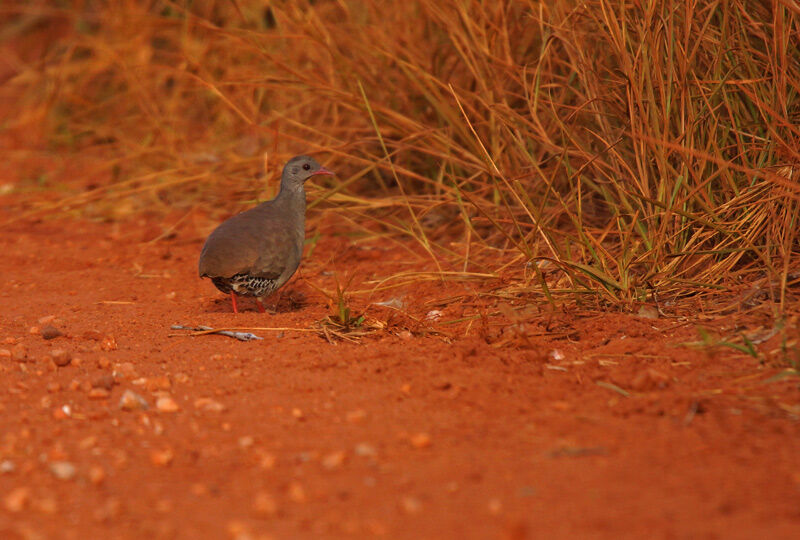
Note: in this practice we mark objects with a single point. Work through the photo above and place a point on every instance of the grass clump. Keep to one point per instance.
(618, 149)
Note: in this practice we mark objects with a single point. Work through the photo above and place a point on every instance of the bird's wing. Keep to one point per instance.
(232, 248)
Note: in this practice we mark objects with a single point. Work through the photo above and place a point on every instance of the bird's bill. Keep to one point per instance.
(323, 170)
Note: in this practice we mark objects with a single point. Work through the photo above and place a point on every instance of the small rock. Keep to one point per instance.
(356, 416)
(109, 510)
(199, 489)
(34, 330)
(208, 404)
(495, 506)
(296, 492)
(334, 460)
(96, 474)
(61, 357)
(433, 315)
(5, 353)
(92, 335)
(47, 319)
(124, 370)
(162, 458)
(411, 505)
(19, 352)
(131, 401)
(167, 404)
(246, 441)
(46, 505)
(647, 312)
(63, 470)
(17, 499)
(7, 466)
(158, 383)
(108, 343)
(264, 504)
(103, 362)
(51, 332)
(53, 387)
(297, 413)
(103, 381)
(99, 393)
(266, 460)
(365, 450)
(420, 440)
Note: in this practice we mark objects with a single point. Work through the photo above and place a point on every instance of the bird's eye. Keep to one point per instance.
(307, 167)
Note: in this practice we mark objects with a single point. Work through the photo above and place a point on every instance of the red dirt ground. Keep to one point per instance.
(599, 426)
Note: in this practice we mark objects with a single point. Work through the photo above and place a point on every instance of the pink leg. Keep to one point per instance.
(233, 301)
(260, 306)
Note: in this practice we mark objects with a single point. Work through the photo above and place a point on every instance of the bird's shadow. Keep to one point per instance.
(286, 301)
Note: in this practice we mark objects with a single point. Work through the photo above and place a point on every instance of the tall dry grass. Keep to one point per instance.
(608, 148)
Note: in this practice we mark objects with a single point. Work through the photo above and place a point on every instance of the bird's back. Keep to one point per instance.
(261, 242)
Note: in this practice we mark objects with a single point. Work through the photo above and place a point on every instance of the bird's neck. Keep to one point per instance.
(293, 197)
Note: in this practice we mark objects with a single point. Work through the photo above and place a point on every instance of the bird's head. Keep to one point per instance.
(301, 168)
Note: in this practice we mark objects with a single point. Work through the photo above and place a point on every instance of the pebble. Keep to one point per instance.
(131, 401)
(103, 362)
(296, 492)
(208, 404)
(162, 458)
(19, 352)
(53, 387)
(356, 416)
(246, 441)
(47, 319)
(5, 353)
(158, 383)
(334, 460)
(63, 470)
(34, 330)
(51, 332)
(103, 381)
(365, 450)
(124, 370)
(167, 404)
(47, 505)
(264, 504)
(7, 466)
(17, 499)
(647, 312)
(266, 460)
(495, 506)
(108, 343)
(99, 393)
(61, 357)
(420, 440)
(297, 413)
(411, 505)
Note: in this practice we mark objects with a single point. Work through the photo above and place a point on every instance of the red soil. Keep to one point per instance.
(595, 425)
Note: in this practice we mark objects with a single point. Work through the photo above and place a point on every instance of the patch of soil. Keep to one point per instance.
(565, 424)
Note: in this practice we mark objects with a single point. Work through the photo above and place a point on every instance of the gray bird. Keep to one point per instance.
(254, 253)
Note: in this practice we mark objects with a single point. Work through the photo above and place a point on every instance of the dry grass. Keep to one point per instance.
(616, 149)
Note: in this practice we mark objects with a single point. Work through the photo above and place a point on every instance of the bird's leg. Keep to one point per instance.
(233, 302)
(259, 306)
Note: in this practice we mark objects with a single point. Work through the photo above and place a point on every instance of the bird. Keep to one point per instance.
(256, 252)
